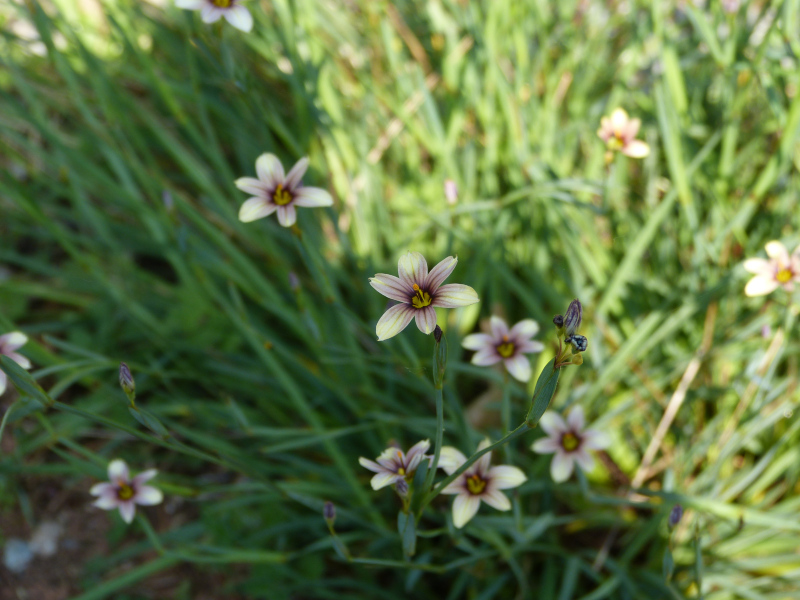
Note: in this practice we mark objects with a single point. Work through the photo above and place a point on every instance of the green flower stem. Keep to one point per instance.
(523, 428)
(437, 448)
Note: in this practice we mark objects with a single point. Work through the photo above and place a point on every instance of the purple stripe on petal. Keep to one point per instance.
(413, 268)
(287, 215)
(127, 510)
(394, 321)
(454, 295)
(391, 287)
(426, 319)
(486, 357)
(312, 197)
(439, 273)
(295, 175)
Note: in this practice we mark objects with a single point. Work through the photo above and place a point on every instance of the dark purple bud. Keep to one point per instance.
(437, 334)
(402, 487)
(675, 515)
(572, 320)
(439, 358)
(558, 320)
(126, 381)
(329, 512)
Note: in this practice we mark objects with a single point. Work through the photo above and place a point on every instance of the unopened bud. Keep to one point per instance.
(577, 359)
(439, 358)
(558, 320)
(675, 515)
(402, 487)
(572, 320)
(329, 513)
(126, 382)
(579, 342)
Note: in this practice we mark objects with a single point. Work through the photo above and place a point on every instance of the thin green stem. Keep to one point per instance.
(437, 448)
(5, 418)
(523, 428)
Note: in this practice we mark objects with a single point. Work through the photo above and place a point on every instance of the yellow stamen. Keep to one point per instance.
(784, 275)
(222, 3)
(421, 299)
(570, 441)
(506, 349)
(281, 196)
(401, 471)
(125, 492)
(475, 484)
(615, 143)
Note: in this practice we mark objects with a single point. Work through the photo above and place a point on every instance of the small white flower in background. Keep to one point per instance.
(570, 441)
(276, 191)
(781, 270)
(212, 10)
(393, 466)
(508, 345)
(451, 192)
(125, 493)
(419, 292)
(10, 342)
(480, 482)
(619, 132)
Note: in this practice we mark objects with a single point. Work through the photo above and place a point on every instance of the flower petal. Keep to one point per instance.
(439, 273)
(256, 208)
(295, 175)
(287, 215)
(496, 499)
(118, 471)
(426, 319)
(312, 197)
(606, 131)
(529, 347)
(252, 186)
(371, 465)
(391, 287)
(454, 295)
(451, 459)
(455, 487)
(552, 424)
(190, 4)
(619, 121)
(416, 452)
(486, 357)
(239, 17)
(143, 477)
(576, 419)
(270, 170)
(760, 285)
(595, 440)
(127, 510)
(3, 382)
(758, 266)
(107, 501)
(413, 269)
(102, 489)
(561, 467)
(778, 251)
(147, 495)
(381, 480)
(525, 329)
(477, 341)
(209, 14)
(519, 366)
(13, 340)
(22, 361)
(504, 477)
(584, 460)
(464, 508)
(483, 463)
(498, 327)
(394, 321)
(636, 149)
(631, 129)
(546, 445)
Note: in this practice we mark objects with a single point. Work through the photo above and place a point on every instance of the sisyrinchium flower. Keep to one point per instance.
(570, 441)
(419, 292)
(781, 270)
(619, 132)
(213, 10)
(507, 345)
(9, 343)
(481, 482)
(124, 492)
(276, 191)
(393, 465)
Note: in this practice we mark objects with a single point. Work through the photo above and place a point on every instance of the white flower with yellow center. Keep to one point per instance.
(619, 132)
(9, 343)
(781, 270)
(481, 482)
(570, 441)
(507, 345)
(276, 191)
(213, 10)
(419, 293)
(125, 493)
(393, 465)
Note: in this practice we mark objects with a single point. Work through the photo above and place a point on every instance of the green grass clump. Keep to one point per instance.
(122, 131)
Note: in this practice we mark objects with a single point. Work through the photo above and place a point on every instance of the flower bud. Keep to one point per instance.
(329, 513)
(579, 342)
(558, 321)
(402, 488)
(577, 359)
(675, 515)
(126, 382)
(439, 358)
(572, 320)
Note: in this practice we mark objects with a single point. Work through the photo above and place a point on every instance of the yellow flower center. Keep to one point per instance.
(281, 196)
(784, 275)
(125, 492)
(616, 142)
(569, 441)
(421, 299)
(222, 3)
(506, 349)
(475, 484)
(401, 471)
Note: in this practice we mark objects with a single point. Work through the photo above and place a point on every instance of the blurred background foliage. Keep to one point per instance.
(124, 124)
